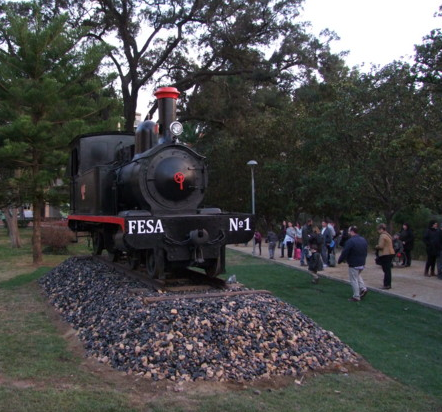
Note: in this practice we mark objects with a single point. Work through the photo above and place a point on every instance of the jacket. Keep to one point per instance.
(354, 252)
(407, 237)
(432, 241)
(271, 237)
(290, 235)
(315, 262)
(327, 235)
(307, 231)
(385, 245)
(316, 238)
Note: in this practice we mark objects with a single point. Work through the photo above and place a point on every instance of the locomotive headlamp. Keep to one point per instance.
(176, 128)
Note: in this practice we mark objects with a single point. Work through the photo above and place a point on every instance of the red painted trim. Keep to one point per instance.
(167, 92)
(100, 219)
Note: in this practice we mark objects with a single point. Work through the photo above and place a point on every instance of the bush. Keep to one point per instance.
(56, 239)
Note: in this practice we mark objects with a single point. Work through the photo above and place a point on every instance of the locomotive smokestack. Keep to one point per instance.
(167, 97)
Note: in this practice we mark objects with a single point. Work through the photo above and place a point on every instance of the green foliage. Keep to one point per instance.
(49, 92)
(343, 149)
(346, 146)
(429, 60)
(248, 122)
(189, 43)
(379, 148)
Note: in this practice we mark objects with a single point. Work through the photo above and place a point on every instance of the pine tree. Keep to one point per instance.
(49, 92)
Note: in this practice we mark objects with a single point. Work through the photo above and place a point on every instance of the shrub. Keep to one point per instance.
(56, 239)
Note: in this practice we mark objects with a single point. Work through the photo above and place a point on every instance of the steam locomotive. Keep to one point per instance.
(139, 196)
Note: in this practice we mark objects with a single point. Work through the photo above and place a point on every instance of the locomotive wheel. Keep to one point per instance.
(97, 243)
(213, 267)
(155, 263)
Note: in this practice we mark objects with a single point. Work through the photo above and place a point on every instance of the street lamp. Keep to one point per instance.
(252, 164)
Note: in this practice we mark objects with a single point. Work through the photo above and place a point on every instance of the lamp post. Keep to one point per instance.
(252, 164)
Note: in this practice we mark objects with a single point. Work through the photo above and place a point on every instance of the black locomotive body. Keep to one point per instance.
(139, 196)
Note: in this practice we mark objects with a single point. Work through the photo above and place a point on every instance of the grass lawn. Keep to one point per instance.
(42, 366)
(403, 339)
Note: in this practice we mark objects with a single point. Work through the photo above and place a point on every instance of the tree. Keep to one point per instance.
(381, 140)
(239, 118)
(428, 71)
(186, 43)
(400, 145)
(48, 91)
(248, 121)
(428, 60)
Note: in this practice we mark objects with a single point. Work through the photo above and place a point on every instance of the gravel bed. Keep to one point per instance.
(236, 338)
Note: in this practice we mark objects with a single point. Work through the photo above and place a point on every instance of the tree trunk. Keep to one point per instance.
(37, 256)
(11, 215)
(389, 215)
(130, 107)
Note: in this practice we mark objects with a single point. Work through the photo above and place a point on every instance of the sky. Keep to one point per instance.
(373, 31)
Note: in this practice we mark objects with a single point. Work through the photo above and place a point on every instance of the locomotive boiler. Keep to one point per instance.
(140, 197)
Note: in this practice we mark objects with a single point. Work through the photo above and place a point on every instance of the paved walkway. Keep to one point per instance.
(408, 283)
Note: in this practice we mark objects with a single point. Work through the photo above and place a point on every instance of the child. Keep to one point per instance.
(398, 247)
(397, 244)
(314, 260)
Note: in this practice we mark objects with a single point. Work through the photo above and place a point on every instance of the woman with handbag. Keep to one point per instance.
(289, 239)
(386, 253)
(298, 241)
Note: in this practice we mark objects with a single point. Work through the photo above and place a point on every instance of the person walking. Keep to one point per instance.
(272, 240)
(281, 237)
(386, 253)
(355, 254)
(327, 236)
(307, 231)
(432, 244)
(258, 239)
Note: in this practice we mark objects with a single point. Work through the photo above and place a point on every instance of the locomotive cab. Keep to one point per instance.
(92, 165)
